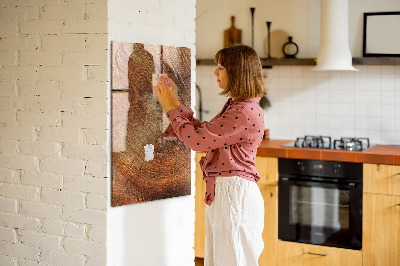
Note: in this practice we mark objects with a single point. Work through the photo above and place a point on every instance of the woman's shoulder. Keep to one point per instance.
(248, 104)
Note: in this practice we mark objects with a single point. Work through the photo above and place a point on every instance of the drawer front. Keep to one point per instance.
(293, 254)
(381, 179)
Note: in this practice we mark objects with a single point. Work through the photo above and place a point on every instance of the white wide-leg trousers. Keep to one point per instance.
(234, 223)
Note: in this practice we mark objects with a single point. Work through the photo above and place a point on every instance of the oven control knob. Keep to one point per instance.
(336, 169)
(302, 167)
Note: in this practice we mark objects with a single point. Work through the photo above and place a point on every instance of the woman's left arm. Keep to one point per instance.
(228, 129)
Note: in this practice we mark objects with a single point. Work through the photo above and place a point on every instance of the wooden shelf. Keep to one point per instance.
(265, 62)
(376, 61)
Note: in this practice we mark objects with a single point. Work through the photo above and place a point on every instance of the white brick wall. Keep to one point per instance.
(53, 113)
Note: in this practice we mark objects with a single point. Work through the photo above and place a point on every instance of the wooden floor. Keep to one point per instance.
(199, 262)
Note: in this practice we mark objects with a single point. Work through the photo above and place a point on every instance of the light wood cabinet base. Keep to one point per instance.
(298, 254)
(381, 230)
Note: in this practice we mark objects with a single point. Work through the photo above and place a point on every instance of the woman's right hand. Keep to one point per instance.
(174, 91)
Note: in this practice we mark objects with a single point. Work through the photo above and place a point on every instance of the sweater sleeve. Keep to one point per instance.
(222, 131)
(186, 113)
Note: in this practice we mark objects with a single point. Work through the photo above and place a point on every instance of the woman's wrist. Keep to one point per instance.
(169, 108)
(176, 104)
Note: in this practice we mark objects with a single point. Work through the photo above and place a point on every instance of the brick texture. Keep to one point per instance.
(53, 120)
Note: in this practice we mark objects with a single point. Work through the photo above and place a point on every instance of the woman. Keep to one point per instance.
(235, 207)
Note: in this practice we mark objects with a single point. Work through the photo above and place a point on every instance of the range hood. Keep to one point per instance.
(334, 51)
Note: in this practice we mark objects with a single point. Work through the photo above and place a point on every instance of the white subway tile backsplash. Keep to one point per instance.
(397, 71)
(361, 110)
(388, 84)
(334, 109)
(374, 123)
(322, 109)
(297, 83)
(322, 121)
(322, 95)
(348, 133)
(388, 97)
(388, 124)
(310, 95)
(360, 97)
(310, 109)
(348, 122)
(286, 120)
(338, 104)
(348, 96)
(374, 84)
(375, 136)
(374, 97)
(361, 123)
(322, 83)
(284, 83)
(347, 110)
(284, 72)
(389, 136)
(374, 111)
(297, 72)
(388, 110)
(335, 95)
(335, 122)
(387, 72)
(397, 110)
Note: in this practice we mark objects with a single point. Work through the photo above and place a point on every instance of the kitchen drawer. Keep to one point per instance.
(267, 168)
(298, 254)
(381, 179)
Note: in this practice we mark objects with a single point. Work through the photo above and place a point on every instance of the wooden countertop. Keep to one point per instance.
(379, 154)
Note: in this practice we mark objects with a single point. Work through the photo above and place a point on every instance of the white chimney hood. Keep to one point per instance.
(334, 51)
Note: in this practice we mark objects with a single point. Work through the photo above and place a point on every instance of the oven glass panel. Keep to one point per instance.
(324, 211)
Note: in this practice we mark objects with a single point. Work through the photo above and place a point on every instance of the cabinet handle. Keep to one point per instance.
(318, 254)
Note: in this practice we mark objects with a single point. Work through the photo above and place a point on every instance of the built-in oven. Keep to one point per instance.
(320, 202)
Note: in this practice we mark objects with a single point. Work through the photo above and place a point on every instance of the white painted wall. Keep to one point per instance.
(338, 104)
(159, 232)
(299, 18)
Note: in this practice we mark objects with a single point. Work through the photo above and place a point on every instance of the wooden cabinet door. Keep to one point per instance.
(381, 179)
(381, 230)
(200, 207)
(270, 233)
(267, 168)
(298, 254)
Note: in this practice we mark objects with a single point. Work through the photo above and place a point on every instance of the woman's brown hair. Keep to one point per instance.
(245, 78)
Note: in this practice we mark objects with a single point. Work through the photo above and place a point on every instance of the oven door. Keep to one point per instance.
(320, 212)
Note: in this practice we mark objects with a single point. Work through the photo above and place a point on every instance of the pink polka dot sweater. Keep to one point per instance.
(231, 139)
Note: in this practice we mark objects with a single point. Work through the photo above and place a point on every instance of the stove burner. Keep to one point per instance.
(324, 142)
(351, 144)
(308, 141)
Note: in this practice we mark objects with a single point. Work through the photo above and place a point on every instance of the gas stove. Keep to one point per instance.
(325, 142)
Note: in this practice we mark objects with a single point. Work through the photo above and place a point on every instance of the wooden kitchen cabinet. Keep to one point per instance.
(381, 230)
(381, 215)
(267, 168)
(270, 233)
(381, 179)
(200, 207)
(298, 254)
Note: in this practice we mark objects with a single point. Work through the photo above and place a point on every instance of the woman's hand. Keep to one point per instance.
(165, 93)
(174, 93)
